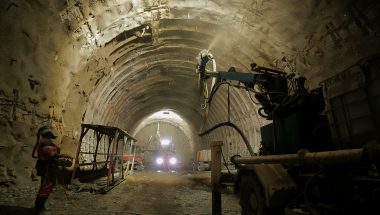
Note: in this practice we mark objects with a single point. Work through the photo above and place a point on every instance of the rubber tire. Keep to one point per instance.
(252, 196)
(200, 167)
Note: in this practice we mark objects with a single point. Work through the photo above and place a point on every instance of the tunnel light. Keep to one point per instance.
(165, 142)
(166, 114)
(159, 161)
(173, 161)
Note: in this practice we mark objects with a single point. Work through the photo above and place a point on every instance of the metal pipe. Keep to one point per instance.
(326, 157)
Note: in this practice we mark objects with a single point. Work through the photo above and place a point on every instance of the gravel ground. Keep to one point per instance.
(145, 193)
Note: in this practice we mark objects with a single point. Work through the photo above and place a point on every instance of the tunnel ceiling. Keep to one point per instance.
(152, 46)
(116, 62)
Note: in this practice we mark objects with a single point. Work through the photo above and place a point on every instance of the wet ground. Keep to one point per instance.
(143, 193)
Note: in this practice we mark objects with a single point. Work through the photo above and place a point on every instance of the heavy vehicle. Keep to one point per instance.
(166, 160)
(203, 160)
(320, 154)
(161, 159)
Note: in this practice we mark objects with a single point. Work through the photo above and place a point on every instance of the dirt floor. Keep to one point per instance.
(145, 192)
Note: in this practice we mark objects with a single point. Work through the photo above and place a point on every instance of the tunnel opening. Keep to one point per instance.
(165, 131)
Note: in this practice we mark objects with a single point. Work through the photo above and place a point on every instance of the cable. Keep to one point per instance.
(214, 89)
(250, 96)
(225, 163)
(35, 147)
(261, 114)
(236, 128)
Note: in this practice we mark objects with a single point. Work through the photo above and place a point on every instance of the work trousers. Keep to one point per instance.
(48, 182)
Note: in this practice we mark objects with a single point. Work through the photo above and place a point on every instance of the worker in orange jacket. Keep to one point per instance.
(46, 165)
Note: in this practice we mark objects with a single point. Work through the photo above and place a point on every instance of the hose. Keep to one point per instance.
(35, 148)
(230, 124)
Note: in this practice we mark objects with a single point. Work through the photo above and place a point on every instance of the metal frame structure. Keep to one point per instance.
(114, 141)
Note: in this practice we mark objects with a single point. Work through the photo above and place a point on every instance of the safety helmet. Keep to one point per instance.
(47, 129)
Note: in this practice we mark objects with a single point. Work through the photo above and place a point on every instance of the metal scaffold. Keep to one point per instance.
(106, 148)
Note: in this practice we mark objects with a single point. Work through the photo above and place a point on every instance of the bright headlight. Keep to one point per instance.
(159, 161)
(173, 161)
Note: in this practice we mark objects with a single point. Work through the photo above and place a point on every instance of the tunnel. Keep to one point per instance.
(133, 65)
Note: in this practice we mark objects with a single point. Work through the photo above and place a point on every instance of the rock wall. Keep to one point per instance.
(36, 62)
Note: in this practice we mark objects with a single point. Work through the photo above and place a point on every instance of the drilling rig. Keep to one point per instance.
(320, 154)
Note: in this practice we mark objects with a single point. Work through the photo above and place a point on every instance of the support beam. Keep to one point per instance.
(98, 138)
(129, 156)
(216, 169)
(133, 158)
(76, 161)
(111, 167)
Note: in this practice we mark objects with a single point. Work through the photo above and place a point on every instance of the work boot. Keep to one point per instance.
(39, 205)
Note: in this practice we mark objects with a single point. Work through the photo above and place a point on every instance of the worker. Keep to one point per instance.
(46, 165)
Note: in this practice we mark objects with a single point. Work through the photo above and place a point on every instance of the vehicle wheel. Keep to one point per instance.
(200, 167)
(252, 197)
